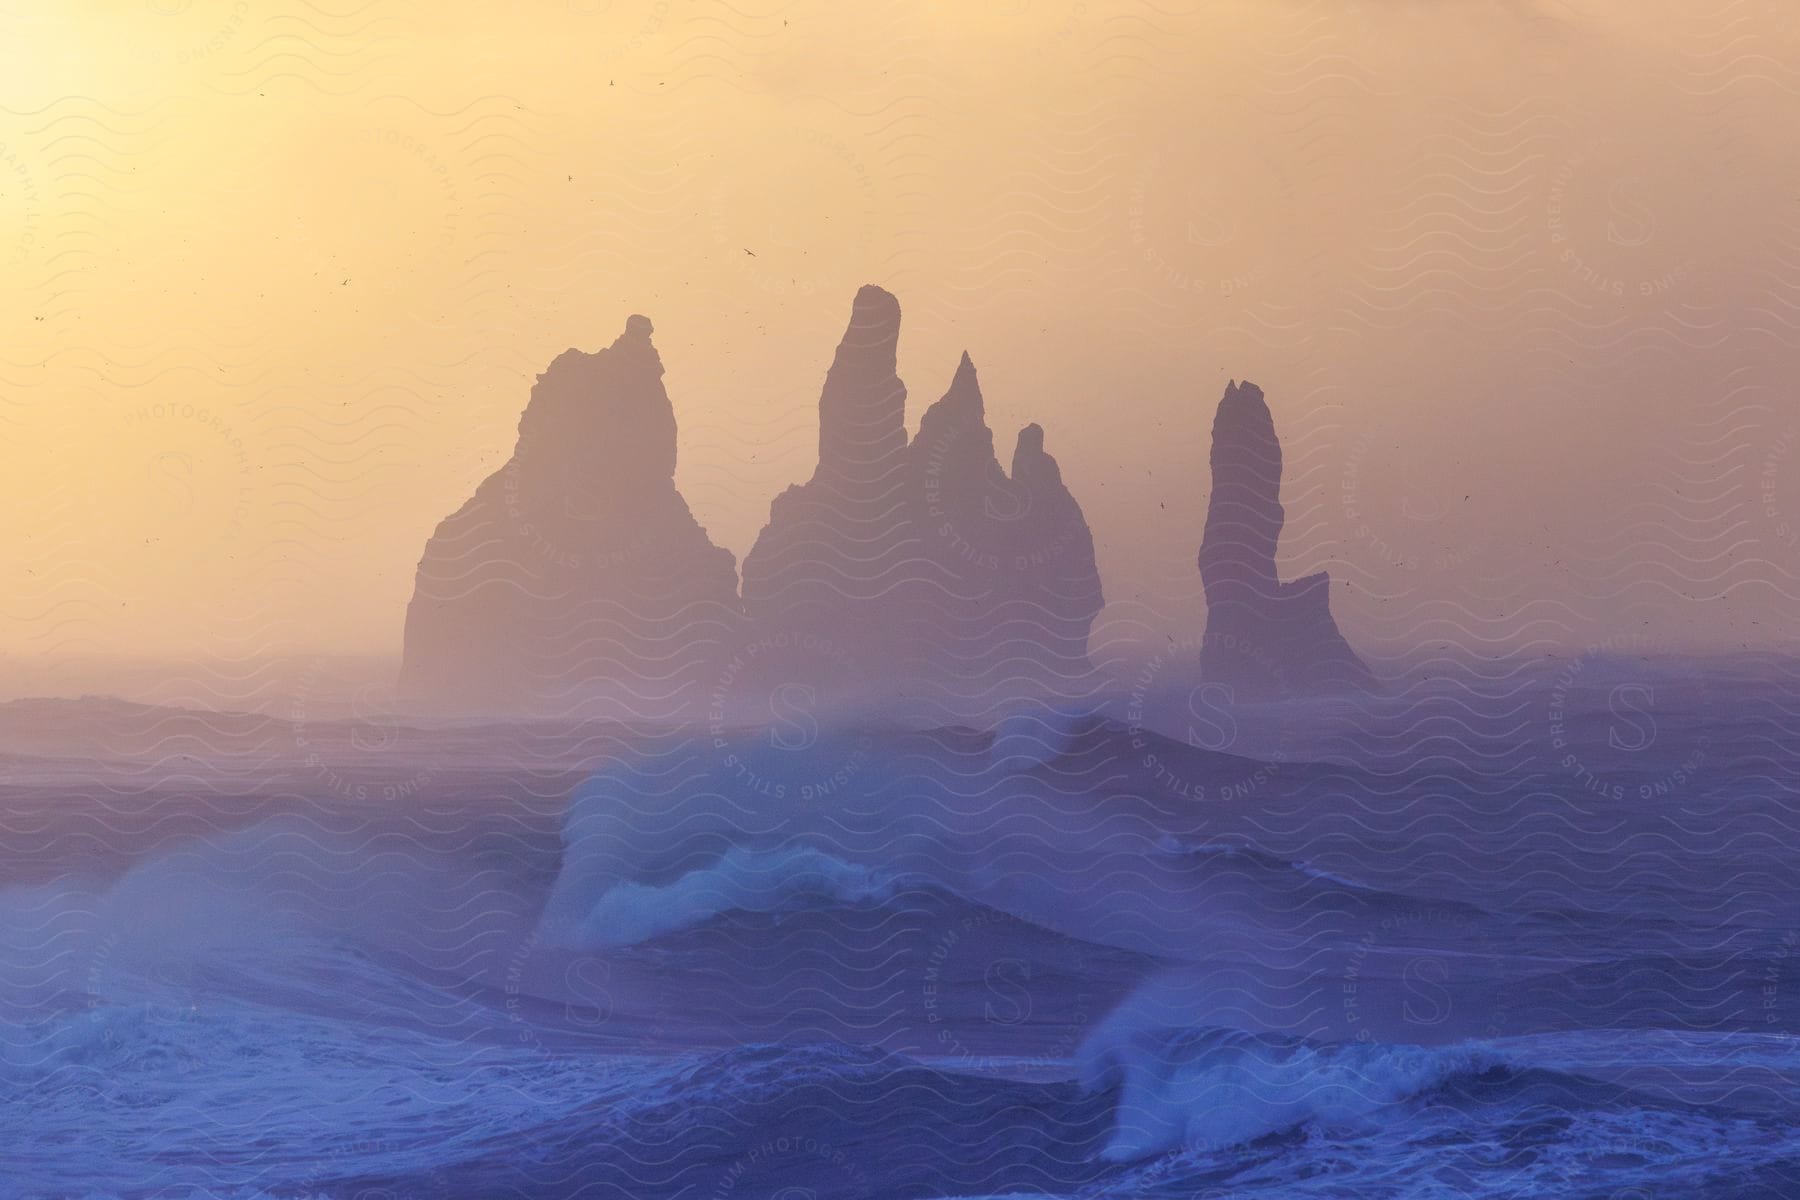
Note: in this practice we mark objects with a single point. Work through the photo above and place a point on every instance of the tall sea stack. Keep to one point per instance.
(575, 580)
(839, 558)
(1264, 637)
(916, 575)
(1011, 554)
(944, 579)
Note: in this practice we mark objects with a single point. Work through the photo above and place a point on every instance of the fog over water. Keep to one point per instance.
(908, 601)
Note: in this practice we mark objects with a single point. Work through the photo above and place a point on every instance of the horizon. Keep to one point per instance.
(900, 601)
(178, 684)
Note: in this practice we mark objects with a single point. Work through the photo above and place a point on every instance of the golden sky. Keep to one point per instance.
(1521, 280)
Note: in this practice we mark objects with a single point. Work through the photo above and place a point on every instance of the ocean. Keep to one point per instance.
(1521, 930)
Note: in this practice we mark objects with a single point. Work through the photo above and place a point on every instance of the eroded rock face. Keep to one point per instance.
(575, 580)
(1012, 555)
(912, 575)
(839, 557)
(943, 577)
(1263, 636)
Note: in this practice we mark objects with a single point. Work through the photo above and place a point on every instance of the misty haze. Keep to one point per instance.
(904, 601)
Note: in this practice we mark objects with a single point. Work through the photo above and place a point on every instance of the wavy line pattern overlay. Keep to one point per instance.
(660, 599)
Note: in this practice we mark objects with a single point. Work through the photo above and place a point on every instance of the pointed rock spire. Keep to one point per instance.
(950, 580)
(577, 564)
(1263, 636)
(1244, 518)
(862, 409)
(835, 546)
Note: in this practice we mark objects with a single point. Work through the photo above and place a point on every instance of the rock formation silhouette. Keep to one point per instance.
(1013, 554)
(575, 580)
(839, 556)
(942, 576)
(916, 575)
(1263, 637)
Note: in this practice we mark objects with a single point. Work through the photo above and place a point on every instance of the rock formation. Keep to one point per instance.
(942, 576)
(839, 557)
(1012, 554)
(1263, 636)
(575, 580)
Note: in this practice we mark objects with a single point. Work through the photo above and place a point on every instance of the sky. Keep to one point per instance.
(1521, 281)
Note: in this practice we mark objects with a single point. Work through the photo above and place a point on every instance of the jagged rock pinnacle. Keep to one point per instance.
(577, 564)
(1262, 635)
(920, 556)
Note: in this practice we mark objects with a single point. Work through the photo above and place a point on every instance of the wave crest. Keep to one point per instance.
(742, 880)
(1211, 1088)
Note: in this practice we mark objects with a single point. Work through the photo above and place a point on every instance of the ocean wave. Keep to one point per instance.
(1021, 821)
(742, 880)
(1215, 1088)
